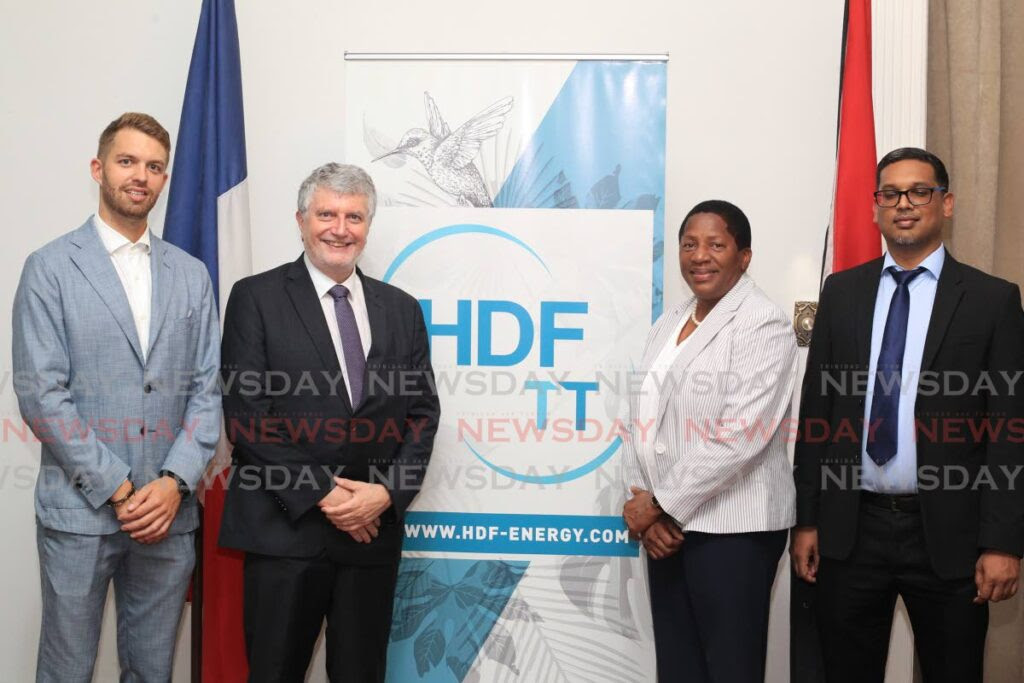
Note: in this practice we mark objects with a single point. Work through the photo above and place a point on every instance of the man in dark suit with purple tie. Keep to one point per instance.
(332, 409)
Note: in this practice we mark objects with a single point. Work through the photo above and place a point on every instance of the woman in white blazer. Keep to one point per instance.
(710, 484)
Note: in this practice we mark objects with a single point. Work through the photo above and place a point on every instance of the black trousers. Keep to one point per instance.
(856, 598)
(286, 600)
(710, 603)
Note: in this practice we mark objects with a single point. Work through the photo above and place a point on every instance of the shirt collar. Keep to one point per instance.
(113, 240)
(322, 283)
(932, 263)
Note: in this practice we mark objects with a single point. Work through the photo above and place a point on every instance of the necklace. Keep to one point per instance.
(693, 318)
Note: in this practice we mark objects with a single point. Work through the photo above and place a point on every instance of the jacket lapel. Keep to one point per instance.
(723, 312)
(378, 326)
(163, 282)
(667, 328)
(948, 293)
(93, 261)
(307, 304)
(867, 292)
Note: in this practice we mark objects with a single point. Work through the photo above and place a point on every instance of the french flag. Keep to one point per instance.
(208, 216)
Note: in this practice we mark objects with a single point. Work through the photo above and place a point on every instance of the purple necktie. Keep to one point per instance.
(885, 401)
(351, 344)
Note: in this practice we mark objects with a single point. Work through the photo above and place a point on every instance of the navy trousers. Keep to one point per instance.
(710, 604)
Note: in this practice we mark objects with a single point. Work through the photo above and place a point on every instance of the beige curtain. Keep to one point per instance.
(976, 125)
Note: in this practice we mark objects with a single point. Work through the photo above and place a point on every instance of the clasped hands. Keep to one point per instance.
(355, 507)
(649, 524)
(148, 514)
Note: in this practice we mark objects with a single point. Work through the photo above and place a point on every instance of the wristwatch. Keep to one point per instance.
(183, 488)
(654, 501)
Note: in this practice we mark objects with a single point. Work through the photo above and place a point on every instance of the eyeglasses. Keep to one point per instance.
(917, 196)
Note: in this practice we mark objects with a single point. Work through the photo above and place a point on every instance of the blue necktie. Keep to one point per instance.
(885, 402)
(351, 344)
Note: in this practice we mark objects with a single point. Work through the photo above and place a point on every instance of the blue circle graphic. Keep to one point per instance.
(477, 229)
(452, 230)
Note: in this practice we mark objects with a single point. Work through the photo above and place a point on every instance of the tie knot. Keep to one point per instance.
(338, 292)
(903, 277)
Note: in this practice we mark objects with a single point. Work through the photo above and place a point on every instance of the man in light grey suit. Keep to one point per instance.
(116, 352)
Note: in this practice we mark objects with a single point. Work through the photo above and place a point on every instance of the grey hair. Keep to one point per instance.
(340, 178)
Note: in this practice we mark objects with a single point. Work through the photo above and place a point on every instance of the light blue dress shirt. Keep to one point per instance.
(899, 475)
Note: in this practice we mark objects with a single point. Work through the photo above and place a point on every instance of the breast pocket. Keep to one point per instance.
(967, 351)
(973, 339)
(180, 336)
(390, 377)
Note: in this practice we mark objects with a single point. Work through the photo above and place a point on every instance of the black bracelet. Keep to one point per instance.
(128, 496)
(183, 488)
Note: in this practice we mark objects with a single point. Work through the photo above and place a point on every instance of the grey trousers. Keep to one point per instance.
(150, 582)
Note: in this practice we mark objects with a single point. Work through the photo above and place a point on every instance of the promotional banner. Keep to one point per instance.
(521, 203)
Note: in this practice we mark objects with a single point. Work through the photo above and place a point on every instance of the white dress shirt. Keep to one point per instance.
(322, 284)
(131, 261)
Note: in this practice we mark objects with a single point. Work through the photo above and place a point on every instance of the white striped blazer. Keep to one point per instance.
(716, 456)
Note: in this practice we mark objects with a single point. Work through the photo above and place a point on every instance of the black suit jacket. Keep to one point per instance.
(976, 331)
(288, 414)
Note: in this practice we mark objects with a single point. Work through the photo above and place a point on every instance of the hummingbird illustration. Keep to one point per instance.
(448, 157)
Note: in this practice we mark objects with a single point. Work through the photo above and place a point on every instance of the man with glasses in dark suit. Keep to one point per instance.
(914, 491)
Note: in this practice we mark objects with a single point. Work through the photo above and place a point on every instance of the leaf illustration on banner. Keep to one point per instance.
(464, 647)
(409, 614)
(566, 652)
(544, 186)
(429, 647)
(644, 202)
(518, 609)
(605, 192)
(581, 582)
(536, 650)
(500, 647)
(413, 582)
(622, 574)
(560, 652)
(495, 604)
(608, 500)
(450, 606)
(497, 575)
(468, 596)
(378, 144)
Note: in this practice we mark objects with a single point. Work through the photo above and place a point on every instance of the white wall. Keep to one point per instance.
(751, 118)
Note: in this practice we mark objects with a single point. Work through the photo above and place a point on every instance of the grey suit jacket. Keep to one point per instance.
(101, 412)
(719, 461)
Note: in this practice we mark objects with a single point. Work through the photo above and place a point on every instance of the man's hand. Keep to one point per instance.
(803, 547)
(148, 515)
(336, 497)
(663, 538)
(355, 507)
(996, 574)
(640, 512)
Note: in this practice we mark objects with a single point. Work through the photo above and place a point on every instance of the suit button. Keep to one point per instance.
(142, 431)
(148, 388)
(659, 448)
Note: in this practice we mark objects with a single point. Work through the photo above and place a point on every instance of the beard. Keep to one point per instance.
(118, 202)
(905, 240)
